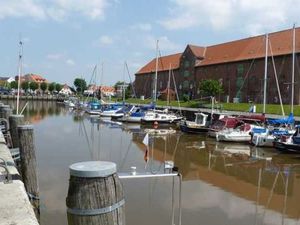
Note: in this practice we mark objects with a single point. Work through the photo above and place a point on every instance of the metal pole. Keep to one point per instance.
(19, 73)
(293, 70)
(266, 75)
(155, 77)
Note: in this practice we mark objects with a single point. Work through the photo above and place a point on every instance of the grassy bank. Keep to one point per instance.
(242, 107)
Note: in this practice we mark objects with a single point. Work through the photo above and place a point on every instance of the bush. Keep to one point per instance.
(185, 98)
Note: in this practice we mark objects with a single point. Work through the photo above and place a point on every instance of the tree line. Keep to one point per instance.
(33, 86)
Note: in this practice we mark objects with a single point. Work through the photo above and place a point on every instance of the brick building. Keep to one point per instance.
(237, 65)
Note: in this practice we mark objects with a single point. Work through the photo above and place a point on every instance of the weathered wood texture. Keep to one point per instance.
(95, 193)
(2, 107)
(28, 164)
(6, 112)
(14, 122)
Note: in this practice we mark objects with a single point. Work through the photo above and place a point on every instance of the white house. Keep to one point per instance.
(66, 90)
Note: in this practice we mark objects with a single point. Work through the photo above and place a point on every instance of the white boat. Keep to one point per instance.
(200, 125)
(266, 139)
(240, 134)
(160, 116)
(160, 132)
(110, 111)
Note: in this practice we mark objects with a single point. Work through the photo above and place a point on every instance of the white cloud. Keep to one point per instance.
(104, 40)
(164, 43)
(55, 56)
(255, 16)
(56, 9)
(93, 9)
(142, 26)
(70, 62)
(21, 8)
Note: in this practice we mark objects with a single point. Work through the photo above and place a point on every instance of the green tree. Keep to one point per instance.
(14, 84)
(58, 87)
(25, 85)
(80, 85)
(51, 87)
(210, 87)
(44, 86)
(128, 91)
(33, 86)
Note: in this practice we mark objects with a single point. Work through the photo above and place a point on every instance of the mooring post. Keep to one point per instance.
(2, 107)
(6, 112)
(28, 164)
(14, 122)
(95, 194)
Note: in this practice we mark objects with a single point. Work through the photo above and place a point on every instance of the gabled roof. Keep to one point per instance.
(250, 48)
(163, 64)
(198, 51)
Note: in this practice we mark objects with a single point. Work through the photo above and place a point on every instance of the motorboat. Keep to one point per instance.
(200, 125)
(160, 116)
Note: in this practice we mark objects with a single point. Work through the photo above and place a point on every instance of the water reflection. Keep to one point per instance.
(223, 183)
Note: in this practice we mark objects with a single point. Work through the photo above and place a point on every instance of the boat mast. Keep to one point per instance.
(155, 77)
(293, 69)
(19, 73)
(123, 86)
(266, 74)
(168, 87)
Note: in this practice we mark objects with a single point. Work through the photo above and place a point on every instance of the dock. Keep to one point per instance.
(15, 207)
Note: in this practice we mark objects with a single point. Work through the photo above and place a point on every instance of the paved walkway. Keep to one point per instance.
(15, 208)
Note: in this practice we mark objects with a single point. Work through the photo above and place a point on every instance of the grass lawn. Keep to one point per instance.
(243, 107)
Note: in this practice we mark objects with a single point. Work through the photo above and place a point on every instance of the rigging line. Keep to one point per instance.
(276, 78)
(87, 139)
(125, 157)
(133, 88)
(248, 72)
(271, 194)
(176, 92)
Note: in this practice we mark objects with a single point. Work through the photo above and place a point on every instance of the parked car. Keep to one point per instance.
(4, 91)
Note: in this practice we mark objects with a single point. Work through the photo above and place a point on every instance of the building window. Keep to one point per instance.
(186, 73)
(240, 69)
(185, 84)
(186, 63)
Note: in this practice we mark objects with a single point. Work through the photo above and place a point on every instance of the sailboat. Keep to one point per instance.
(277, 127)
(159, 116)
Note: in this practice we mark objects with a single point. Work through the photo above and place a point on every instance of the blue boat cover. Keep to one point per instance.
(288, 120)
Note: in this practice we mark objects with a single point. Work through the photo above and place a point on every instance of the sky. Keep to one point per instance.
(66, 39)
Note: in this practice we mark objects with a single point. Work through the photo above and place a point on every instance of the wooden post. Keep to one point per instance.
(14, 122)
(95, 195)
(6, 112)
(2, 107)
(28, 164)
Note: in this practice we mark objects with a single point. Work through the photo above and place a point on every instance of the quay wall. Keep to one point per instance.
(15, 207)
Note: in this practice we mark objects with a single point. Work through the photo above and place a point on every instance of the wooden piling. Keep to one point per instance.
(6, 112)
(14, 122)
(95, 194)
(28, 164)
(2, 107)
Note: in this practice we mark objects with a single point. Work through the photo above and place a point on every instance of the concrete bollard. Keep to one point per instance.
(95, 194)
(28, 164)
(14, 122)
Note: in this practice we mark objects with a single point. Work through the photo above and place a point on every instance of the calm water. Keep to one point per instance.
(222, 183)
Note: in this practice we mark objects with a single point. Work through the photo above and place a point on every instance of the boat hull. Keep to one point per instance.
(192, 130)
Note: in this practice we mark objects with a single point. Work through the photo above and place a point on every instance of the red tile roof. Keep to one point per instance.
(250, 48)
(239, 50)
(163, 64)
(198, 51)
